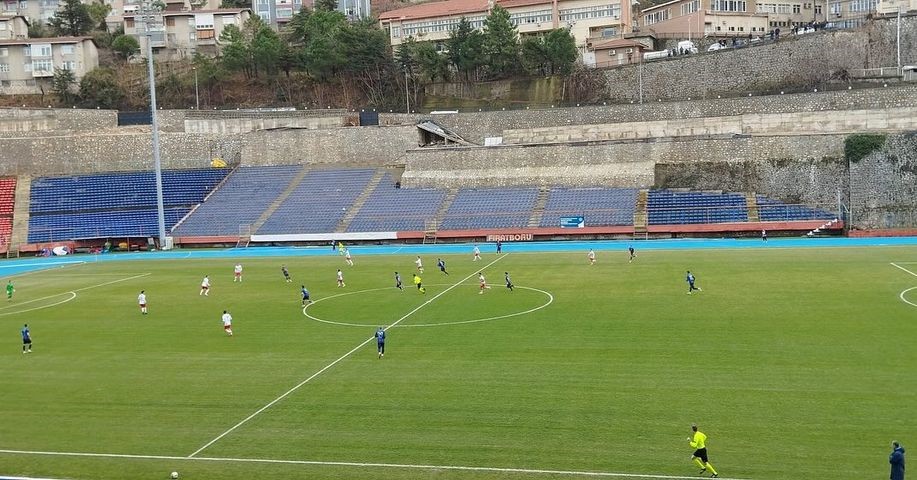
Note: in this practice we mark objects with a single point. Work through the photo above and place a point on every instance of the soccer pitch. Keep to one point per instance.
(797, 363)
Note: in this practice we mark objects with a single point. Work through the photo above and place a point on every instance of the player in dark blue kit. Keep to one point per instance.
(690, 279)
(305, 296)
(26, 339)
(509, 282)
(442, 265)
(398, 284)
(380, 342)
(633, 255)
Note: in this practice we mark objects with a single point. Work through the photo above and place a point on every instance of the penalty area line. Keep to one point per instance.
(403, 466)
(902, 268)
(342, 357)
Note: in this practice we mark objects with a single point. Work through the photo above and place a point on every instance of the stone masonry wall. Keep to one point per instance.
(883, 190)
(795, 62)
(346, 146)
(15, 121)
(475, 126)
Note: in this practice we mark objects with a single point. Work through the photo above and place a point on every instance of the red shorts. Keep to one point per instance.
(227, 327)
(238, 274)
(142, 305)
(204, 288)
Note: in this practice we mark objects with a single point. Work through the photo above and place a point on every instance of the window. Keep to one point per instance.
(266, 16)
(68, 65)
(4, 68)
(656, 17)
(732, 29)
(170, 21)
(445, 26)
(27, 51)
(836, 8)
(729, 6)
(4, 51)
(807, 6)
(609, 32)
(538, 16)
(796, 8)
(396, 32)
(818, 9)
(862, 5)
(66, 49)
(2, 26)
(596, 11)
(41, 50)
(44, 66)
(203, 21)
(192, 37)
(284, 12)
(27, 67)
(690, 7)
(228, 20)
(128, 23)
(741, 29)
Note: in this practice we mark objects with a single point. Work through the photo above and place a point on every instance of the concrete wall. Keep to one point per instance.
(14, 121)
(691, 162)
(475, 126)
(346, 146)
(243, 125)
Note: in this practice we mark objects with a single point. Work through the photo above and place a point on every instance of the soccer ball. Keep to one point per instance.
(174, 475)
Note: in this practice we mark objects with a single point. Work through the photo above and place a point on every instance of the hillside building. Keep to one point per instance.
(27, 65)
(179, 35)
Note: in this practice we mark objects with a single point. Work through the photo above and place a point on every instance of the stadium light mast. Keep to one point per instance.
(148, 15)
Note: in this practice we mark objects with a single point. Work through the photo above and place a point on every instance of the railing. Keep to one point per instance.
(60, 234)
(879, 72)
(766, 213)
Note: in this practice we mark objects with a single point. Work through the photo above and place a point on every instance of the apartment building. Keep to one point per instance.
(13, 27)
(32, 10)
(614, 52)
(279, 12)
(891, 7)
(178, 35)
(697, 18)
(27, 65)
(586, 19)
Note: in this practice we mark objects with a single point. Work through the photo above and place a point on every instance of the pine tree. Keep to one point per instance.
(501, 43)
(72, 19)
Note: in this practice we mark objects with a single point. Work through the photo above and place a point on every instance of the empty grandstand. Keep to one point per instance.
(397, 209)
(7, 200)
(490, 208)
(113, 204)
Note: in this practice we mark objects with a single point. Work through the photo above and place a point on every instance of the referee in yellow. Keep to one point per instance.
(699, 443)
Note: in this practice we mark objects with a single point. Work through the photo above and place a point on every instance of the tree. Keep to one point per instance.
(326, 5)
(62, 86)
(125, 46)
(72, 19)
(560, 48)
(501, 43)
(465, 50)
(266, 48)
(535, 56)
(39, 30)
(98, 11)
(433, 64)
(236, 55)
(369, 60)
(99, 89)
(236, 4)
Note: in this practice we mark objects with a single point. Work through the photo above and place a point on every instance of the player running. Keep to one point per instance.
(341, 279)
(9, 290)
(227, 322)
(26, 339)
(483, 283)
(286, 273)
(347, 257)
(205, 286)
(141, 300)
(419, 264)
(509, 281)
(699, 443)
(237, 273)
(398, 284)
(690, 279)
(380, 342)
(419, 283)
(442, 265)
(591, 256)
(633, 254)
(305, 295)
(477, 253)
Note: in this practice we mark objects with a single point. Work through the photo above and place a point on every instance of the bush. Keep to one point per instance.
(858, 146)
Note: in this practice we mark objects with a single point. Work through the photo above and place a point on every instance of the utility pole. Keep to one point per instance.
(197, 97)
(407, 96)
(898, 40)
(148, 17)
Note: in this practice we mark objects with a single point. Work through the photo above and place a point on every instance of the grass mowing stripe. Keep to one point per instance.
(529, 471)
(342, 357)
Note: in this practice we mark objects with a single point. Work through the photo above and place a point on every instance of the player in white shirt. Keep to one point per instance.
(238, 273)
(477, 253)
(141, 300)
(227, 322)
(483, 283)
(591, 256)
(347, 257)
(341, 278)
(205, 286)
(419, 264)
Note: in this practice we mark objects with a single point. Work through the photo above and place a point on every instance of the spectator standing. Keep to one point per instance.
(896, 459)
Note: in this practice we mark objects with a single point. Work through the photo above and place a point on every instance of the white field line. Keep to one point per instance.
(902, 268)
(17, 304)
(523, 471)
(342, 357)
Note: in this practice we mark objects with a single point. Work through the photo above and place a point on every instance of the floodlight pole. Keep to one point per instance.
(157, 161)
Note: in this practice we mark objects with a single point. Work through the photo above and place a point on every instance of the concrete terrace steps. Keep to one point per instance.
(294, 182)
(447, 202)
(360, 200)
(640, 215)
(751, 204)
(538, 211)
(20, 233)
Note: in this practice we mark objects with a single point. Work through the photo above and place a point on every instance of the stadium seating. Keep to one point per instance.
(113, 204)
(7, 200)
(395, 209)
(490, 208)
(600, 206)
(319, 202)
(770, 210)
(667, 207)
(240, 201)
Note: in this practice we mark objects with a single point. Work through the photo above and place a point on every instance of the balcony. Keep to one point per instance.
(157, 39)
(206, 37)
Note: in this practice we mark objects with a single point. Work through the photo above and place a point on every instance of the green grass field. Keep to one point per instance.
(796, 363)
